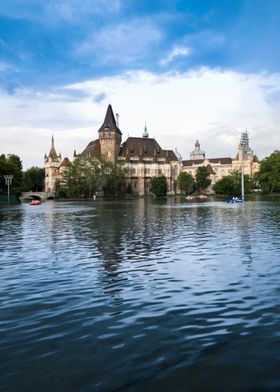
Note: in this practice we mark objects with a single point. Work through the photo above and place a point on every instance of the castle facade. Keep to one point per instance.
(144, 159)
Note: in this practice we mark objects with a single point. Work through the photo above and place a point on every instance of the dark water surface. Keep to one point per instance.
(140, 296)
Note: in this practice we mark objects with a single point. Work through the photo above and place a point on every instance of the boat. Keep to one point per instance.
(35, 203)
(202, 197)
(196, 198)
(235, 200)
(190, 198)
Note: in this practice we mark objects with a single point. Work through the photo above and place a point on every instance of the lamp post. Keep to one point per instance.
(8, 182)
(243, 144)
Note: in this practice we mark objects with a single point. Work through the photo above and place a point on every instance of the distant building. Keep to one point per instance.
(144, 158)
(220, 167)
(54, 167)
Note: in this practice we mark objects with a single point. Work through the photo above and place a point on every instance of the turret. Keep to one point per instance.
(145, 133)
(110, 137)
(197, 153)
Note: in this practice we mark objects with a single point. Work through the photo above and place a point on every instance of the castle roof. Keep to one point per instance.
(109, 124)
(222, 161)
(65, 162)
(93, 148)
(210, 169)
(145, 147)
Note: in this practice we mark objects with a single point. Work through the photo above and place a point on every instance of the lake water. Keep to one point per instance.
(140, 295)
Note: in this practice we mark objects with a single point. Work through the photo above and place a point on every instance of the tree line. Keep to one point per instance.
(30, 180)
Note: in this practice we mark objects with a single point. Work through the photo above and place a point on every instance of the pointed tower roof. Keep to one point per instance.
(109, 124)
(145, 133)
(52, 153)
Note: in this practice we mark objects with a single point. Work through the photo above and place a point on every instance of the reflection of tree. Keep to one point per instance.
(11, 230)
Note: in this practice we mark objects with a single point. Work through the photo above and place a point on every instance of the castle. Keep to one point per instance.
(144, 159)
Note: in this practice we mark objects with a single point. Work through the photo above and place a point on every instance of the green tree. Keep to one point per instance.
(90, 174)
(269, 175)
(114, 180)
(226, 186)
(11, 164)
(231, 184)
(202, 178)
(33, 179)
(185, 182)
(159, 186)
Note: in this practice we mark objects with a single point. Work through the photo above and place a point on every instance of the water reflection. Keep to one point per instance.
(140, 295)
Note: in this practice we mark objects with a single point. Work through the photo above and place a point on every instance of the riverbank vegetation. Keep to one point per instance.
(31, 179)
(87, 176)
(188, 185)
(268, 178)
(230, 185)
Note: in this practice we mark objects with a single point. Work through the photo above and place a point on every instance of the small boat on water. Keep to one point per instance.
(196, 198)
(35, 203)
(235, 200)
(190, 198)
(202, 197)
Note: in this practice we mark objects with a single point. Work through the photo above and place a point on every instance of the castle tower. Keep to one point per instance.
(110, 137)
(197, 153)
(52, 163)
(245, 156)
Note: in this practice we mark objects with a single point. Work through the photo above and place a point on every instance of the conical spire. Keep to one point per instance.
(145, 133)
(52, 153)
(109, 124)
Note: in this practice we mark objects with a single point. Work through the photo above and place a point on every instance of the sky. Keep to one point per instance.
(189, 69)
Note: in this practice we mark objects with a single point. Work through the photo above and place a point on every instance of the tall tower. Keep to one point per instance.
(110, 137)
(52, 163)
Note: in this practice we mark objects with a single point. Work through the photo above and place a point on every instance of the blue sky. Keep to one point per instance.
(53, 50)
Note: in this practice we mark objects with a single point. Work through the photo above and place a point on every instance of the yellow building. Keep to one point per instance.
(220, 167)
(54, 167)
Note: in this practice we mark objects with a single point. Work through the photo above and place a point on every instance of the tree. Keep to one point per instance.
(225, 186)
(269, 175)
(90, 174)
(231, 184)
(185, 182)
(159, 186)
(11, 164)
(202, 178)
(33, 179)
(114, 180)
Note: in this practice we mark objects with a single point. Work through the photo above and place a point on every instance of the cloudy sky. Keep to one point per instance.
(192, 69)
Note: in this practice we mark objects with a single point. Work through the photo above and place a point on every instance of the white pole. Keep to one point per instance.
(242, 172)
(8, 181)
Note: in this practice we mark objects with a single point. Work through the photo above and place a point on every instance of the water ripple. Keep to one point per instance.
(140, 295)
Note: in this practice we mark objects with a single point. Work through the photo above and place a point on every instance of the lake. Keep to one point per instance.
(140, 295)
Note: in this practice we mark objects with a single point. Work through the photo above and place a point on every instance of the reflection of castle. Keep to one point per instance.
(144, 158)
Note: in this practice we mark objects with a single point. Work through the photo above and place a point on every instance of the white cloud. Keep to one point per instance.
(205, 104)
(177, 51)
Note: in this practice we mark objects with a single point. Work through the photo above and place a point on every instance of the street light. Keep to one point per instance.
(8, 181)
(244, 143)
